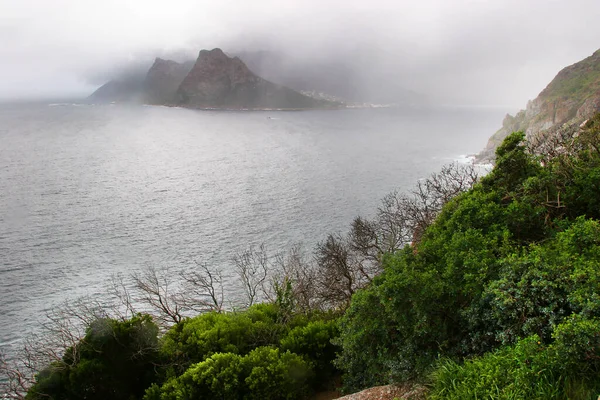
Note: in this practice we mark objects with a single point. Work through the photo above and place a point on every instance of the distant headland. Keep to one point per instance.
(214, 81)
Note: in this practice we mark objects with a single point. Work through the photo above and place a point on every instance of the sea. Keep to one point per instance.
(89, 192)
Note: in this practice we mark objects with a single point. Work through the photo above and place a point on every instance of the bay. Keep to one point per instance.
(87, 192)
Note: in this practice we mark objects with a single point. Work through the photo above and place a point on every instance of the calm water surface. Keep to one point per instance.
(90, 191)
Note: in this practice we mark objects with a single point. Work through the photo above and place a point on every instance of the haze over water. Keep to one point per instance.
(90, 191)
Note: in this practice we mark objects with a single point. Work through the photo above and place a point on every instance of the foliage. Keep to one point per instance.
(195, 339)
(500, 263)
(313, 342)
(567, 368)
(114, 360)
(264, 373)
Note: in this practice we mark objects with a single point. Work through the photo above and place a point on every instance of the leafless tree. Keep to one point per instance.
(294, 267)
(125, 306)
(203, 289)
(339, 273)
(252, 266)
(159, 290)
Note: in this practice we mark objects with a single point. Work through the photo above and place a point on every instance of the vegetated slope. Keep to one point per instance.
(572, 96)
(218, 81)
(508, 271)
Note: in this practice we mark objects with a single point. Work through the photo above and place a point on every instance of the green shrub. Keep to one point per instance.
(276, 375)
(568, 368)
(195, 339)
(218, 377)
(501, 262)
(517, 372)
(314, 343)
(264, 373)
(115, 360)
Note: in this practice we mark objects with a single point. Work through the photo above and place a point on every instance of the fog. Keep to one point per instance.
(459, 52)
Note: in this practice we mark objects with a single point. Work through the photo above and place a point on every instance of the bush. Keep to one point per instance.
(196, 339)
(566, 369)
(517, 372)
(314, 343)
(264, 373)
(276, 375)
(506, 260)
(115, 360)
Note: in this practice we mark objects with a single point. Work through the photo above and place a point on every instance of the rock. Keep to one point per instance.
(390, 392)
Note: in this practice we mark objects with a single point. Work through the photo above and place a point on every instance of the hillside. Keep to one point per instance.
(572, 97)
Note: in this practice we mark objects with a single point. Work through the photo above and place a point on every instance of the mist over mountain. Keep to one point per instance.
(214, 80)
(338, 78)
(335, 76)
(452, 52)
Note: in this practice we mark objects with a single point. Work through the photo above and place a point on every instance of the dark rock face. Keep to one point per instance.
(163, 80)
(218, 81)
(571, 97)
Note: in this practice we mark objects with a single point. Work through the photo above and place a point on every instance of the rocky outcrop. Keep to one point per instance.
(571, 97)
(163, 80)
(219, 81)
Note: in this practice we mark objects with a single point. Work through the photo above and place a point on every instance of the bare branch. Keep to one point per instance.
(204, 289)
(157, 290)
(252, 267)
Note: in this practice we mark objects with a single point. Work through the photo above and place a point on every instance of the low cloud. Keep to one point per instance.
(463, 51)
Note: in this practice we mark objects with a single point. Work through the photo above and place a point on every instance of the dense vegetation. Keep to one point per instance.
(512, 262)
(497, 296)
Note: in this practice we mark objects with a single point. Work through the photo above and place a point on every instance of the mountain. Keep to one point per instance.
(572, 97)
(123, 90)
(219, 81)
(163, 80)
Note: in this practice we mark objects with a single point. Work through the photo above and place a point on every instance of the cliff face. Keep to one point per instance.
(163, 80)
(572, 96)
(218, 81)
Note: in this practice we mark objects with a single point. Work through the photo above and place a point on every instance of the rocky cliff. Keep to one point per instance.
(219, 81)
(163, 80)
(571, 97)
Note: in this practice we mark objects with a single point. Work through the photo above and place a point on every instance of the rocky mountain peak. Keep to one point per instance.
(163, 79)
(220, 81)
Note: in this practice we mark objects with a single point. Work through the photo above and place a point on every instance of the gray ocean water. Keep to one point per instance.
(90, 191)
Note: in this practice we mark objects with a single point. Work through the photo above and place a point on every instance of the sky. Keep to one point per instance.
(463, 52)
